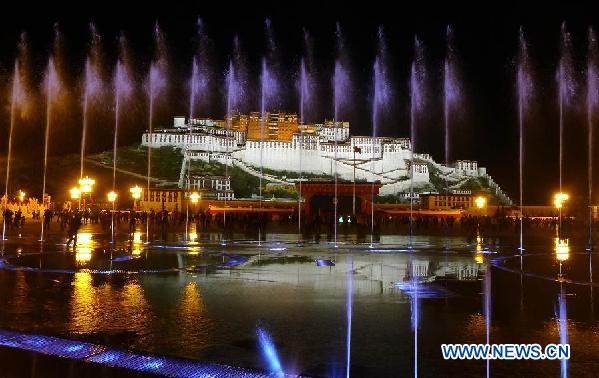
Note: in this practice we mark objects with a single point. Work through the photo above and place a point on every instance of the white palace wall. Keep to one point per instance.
(383, 159)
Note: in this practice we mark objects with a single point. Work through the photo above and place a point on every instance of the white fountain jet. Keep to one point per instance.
(92, 87)
(52, 89)
(122, 88)
(17, 101)
(156, 84)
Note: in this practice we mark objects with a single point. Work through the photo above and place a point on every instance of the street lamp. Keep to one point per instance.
(135, 193)
(480, 202)
(559, 199)
(111, 196)
(75, 193)
(195, 197)
(86, 184)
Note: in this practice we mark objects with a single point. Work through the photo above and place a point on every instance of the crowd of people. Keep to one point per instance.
(255, 224)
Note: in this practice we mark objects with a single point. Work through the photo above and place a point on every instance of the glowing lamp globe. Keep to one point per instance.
(136, 192)
(480, 202)
(75, 193)
(111, 196)
(86, 184)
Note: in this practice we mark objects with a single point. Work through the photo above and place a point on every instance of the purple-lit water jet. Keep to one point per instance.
(341, 90)
(269, 91)
(304, 97)
(198, 90)
(451, 91)
(417, 105)
(566, 90)
(562, 324)
(592, 101)
(156, 83)
(524, 88)
(235, 82)
(381, 101)
(201, 73)
(269, 352)
(304, 86)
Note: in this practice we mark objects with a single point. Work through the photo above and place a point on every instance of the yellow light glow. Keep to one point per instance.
(112, 196)
(136, 247)
(195, 197)
(136, 192)
(193, 237)
(480, 202)
(479, 256)
(86, 184)
(137, 237)
(562, 249)
(21, 195)
(559, 199)
(75, 193)
(83, 251)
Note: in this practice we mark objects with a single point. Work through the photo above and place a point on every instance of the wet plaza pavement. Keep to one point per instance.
(204, 299)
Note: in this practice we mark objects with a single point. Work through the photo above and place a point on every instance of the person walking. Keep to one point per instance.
(73, 228)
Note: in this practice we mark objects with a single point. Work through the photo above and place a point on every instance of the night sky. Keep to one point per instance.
(486, 43)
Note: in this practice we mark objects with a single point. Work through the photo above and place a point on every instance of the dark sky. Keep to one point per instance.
(485, 38)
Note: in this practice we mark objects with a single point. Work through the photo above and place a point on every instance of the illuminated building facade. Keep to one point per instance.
(434, 201)
(279, 143)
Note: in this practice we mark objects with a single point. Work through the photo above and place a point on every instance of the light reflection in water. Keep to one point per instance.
(137, 243)
(193, 233)
(83, 317)
(83, 250)
(193, 318)
(97, 305)
(562, 249)
(479, 257)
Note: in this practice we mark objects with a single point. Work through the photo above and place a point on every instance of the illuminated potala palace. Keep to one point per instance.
(280, 144)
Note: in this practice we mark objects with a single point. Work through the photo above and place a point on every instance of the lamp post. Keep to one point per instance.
(86, 186)
(75, 193)
(480, 202)
(135, 194)
(194, 197)
(112, 196)
(558, 202)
